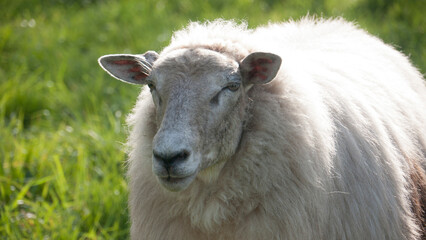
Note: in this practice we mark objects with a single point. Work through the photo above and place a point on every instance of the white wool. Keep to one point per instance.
(324, 154)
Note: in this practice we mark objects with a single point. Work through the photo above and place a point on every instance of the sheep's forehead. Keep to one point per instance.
(194, 65)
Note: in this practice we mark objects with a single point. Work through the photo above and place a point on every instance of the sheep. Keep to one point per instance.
(308, 129)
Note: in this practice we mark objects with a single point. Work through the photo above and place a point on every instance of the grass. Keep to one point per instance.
(62, 169)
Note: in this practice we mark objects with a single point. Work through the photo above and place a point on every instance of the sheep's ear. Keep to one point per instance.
(260, 67)
(129, 68)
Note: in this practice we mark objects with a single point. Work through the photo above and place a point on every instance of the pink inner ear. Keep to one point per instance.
(258, 68)
(135, 69)
(140, 76)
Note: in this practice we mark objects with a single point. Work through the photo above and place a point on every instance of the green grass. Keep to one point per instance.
(62, 171)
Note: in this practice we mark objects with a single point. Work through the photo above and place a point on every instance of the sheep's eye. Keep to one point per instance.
(233, 87)
(151, 87)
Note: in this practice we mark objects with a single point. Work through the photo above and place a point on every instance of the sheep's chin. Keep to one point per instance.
(176, 184)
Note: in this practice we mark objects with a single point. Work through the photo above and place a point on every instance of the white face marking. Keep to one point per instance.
(199, 105)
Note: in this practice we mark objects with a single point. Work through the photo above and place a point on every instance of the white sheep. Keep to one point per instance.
(311, 129)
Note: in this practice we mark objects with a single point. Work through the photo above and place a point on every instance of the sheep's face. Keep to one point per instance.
(200, 99)
(199, 102)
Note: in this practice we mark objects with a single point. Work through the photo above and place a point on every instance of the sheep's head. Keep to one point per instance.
(200, 99)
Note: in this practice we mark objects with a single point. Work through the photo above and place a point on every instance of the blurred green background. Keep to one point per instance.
(62, 171)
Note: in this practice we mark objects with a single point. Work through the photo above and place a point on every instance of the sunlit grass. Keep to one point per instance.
(62, 169)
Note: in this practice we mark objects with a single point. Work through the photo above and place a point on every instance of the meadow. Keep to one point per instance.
(62, 131)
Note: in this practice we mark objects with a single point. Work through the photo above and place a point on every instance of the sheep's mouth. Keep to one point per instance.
(176, 184)
(174, 179)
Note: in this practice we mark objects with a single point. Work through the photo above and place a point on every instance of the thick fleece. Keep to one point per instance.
(333, 148)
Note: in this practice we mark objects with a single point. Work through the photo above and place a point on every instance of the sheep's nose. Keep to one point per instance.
(169, 159)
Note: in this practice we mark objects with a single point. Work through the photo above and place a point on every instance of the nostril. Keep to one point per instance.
(171, 158)
(177, 157)
(157, 155)
(182, 155)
